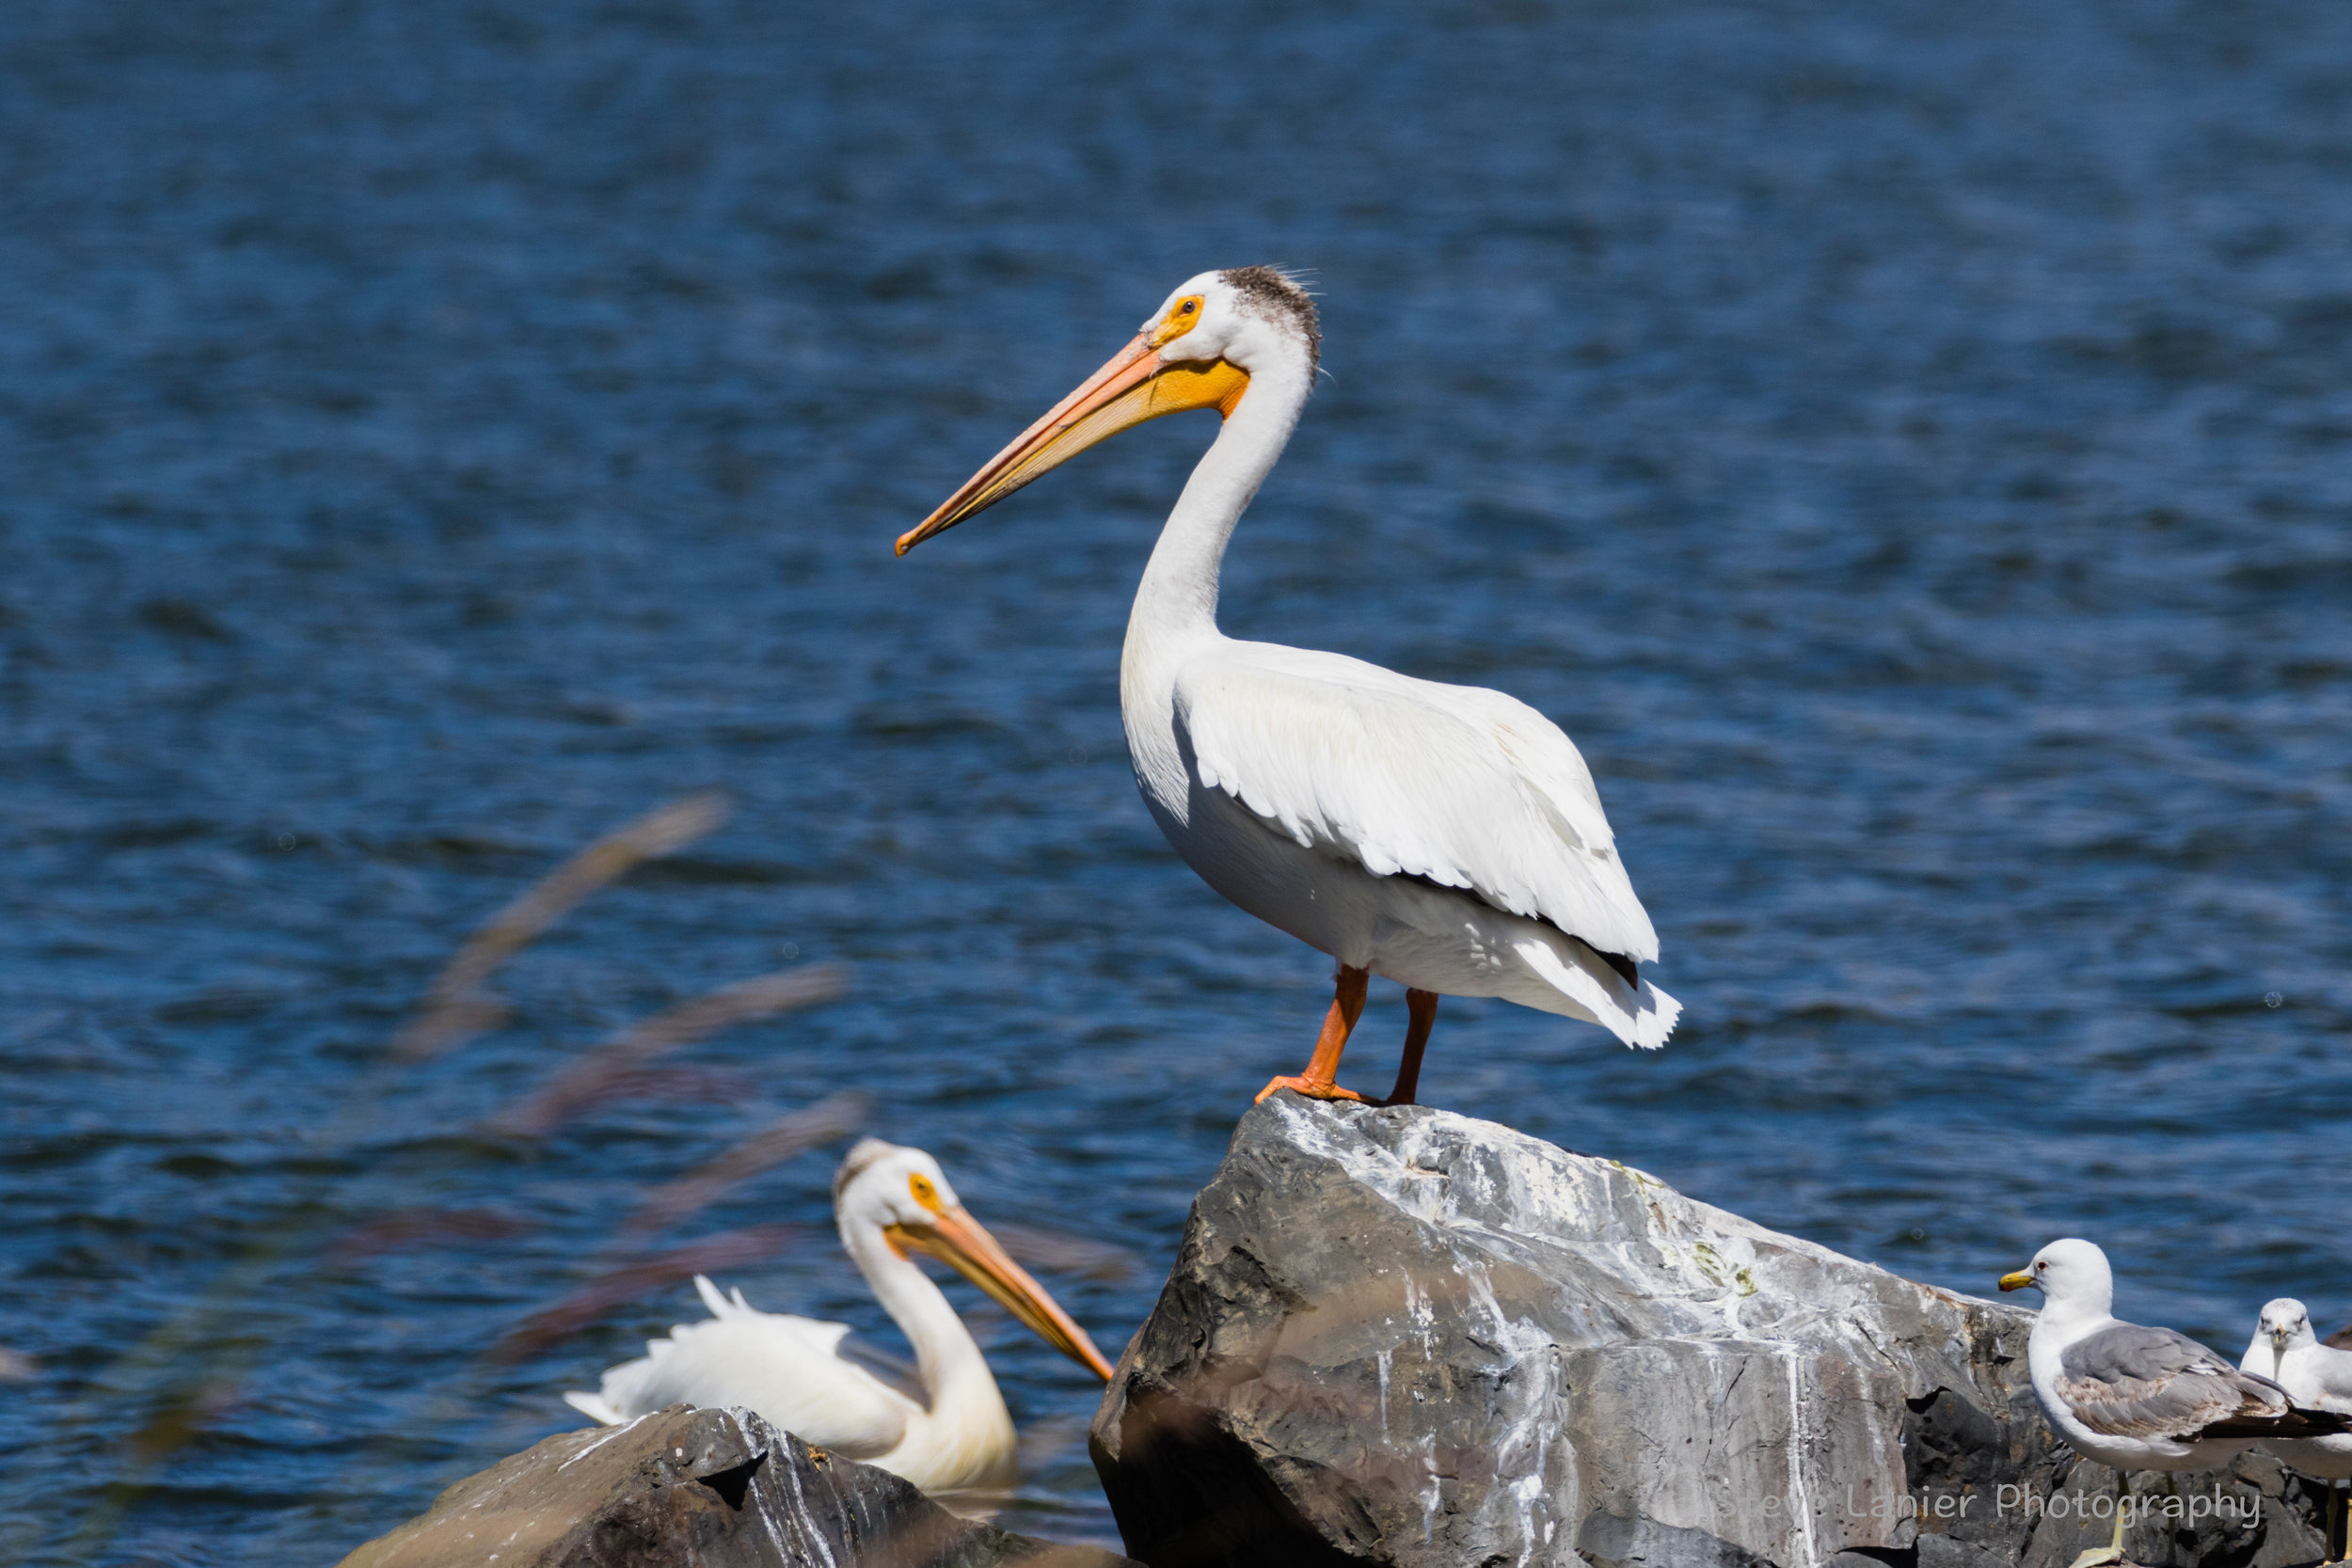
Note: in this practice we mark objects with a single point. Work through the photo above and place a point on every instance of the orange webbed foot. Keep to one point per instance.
(1313, 1088)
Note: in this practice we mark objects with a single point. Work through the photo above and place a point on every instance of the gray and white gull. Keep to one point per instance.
(2135, 1398)
(2285, 1351)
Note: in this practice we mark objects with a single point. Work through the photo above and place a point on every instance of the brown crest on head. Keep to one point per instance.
(862, 1154)
(1272, 293)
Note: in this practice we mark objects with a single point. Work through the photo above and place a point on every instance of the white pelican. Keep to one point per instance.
(2140, 1398)
(959, 1436)
(2285, 1351)
(1446, 837)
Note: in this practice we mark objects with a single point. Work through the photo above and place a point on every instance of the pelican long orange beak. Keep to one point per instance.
(961, 1243)
(1136, 385)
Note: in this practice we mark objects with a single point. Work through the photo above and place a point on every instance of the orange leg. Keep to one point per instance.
(1421, 1009)
(1319, 1082)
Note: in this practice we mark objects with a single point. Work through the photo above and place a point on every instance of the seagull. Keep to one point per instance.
(1445, 837)
(2140, 1398)
(956, 1436)
(2286, 1351)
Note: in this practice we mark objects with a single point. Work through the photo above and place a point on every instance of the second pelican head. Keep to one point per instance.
(905, 1195)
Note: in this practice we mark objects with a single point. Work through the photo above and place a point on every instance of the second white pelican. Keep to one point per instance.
(795, 1371)
(1447, 837)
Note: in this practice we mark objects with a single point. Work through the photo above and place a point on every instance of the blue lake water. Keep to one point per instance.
(1908, 447)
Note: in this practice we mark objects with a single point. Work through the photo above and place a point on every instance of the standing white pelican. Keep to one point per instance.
(959, 1437)
(2285, 1351)
(1446, 837)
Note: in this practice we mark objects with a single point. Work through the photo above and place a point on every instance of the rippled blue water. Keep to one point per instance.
(1909, 447)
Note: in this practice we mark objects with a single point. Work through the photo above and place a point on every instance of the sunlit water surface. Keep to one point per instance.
(1908, 447)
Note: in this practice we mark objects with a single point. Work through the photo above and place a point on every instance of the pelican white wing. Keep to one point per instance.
(790, 1369)
(1468, 787)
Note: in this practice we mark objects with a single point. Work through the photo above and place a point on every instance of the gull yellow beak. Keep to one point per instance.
(2018, 1280)
(1136, 385)
(958, 1240)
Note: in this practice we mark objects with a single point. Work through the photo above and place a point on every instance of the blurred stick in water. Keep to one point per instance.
(458, 1007)
(551, 1325)
(404, 1228)
(835, 1116)
(687, 1080)
(620, 1070)
(608, 1073)
(1060, 1252)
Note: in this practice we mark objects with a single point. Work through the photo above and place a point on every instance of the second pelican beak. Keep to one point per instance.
(958, 1240)
(1136, 385)
(2018, 1280)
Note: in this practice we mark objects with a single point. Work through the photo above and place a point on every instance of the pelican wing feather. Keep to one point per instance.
(791, 1370)
(1467, 787)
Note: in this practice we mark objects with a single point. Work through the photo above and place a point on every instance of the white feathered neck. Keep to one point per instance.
(1175, 608)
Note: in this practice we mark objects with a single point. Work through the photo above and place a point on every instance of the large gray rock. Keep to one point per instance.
(1400, 1336)
(706, 1488)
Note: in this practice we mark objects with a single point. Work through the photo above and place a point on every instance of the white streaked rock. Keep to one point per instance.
(1410, 1338)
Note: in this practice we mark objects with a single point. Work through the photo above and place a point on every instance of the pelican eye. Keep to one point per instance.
(1181, 318)
(924, 1193)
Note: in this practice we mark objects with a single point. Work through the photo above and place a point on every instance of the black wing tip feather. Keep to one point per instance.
(2297, 1423)
(1618, 962)
(2300, 1422)
(1627, 970)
